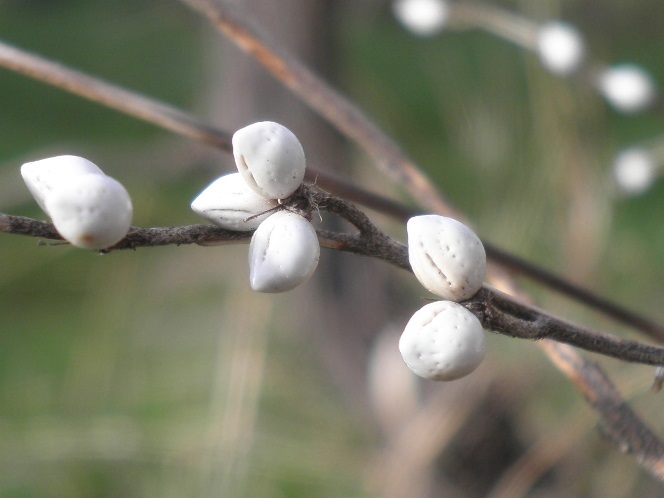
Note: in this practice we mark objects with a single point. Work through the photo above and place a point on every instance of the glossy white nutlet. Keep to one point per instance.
(270, 158)
(228, 202)
(442, 341)
(283, 253)
(43, 176)
(90, 211)
(628, 88)
(634, 170)
(421, 17)
(560, 47)
(446, 256)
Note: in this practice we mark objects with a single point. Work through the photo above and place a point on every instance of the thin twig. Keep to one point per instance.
(501, 313)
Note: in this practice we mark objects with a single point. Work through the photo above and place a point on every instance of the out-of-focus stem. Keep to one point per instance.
(112, 96)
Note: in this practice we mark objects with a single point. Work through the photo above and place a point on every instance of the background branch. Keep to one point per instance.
(115, 97)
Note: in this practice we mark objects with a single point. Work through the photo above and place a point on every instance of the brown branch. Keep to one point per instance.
(574, 292)
(496, 311)
(370, 241)
(501, 313)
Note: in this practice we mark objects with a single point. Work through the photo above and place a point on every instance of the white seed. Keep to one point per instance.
(560, 47)
(634, 170)
(446, 256)
(283, 253)
(442, 341)
(90, 211)
(228, 202)
(421, 17)
(628, 88)
(270, 158)
(42, 177)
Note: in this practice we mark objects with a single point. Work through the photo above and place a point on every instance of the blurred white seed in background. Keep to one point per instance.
(634, 170)
(628, 88)
(421, 17)
(560, 47)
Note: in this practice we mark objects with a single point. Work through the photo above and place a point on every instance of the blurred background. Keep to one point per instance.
(157, 372)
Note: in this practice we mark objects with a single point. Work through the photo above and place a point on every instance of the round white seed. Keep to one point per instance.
(628, 88)
(283, 253)
(270, 158)
(421, 17)
(446, 256)
(634, 170)
(560, 47)
(442, 341)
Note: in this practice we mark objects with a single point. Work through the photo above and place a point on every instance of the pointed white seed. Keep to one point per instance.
(283, 253)
(270, 158)
(442, 341)
(90, 211)
(42, 177)
(446, 256)
(228, 202)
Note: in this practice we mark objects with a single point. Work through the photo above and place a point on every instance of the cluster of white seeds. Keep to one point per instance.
(284, 249)
(443, 340)
(88, 208)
